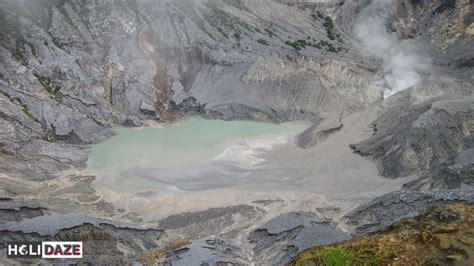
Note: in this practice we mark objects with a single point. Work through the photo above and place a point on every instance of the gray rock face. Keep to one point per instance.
(425, 139)
(69, 70)
(390, 208)
(11, 210)
(211, 221)
(132, 121)
(103, 243)
(18, 215)
(147, 108)
(319, 132)
(51, 224)
(280, 239)
(443, 24)
(455, 174)
(208, 251)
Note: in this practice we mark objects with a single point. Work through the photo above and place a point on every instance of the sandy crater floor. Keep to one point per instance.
(265, 165)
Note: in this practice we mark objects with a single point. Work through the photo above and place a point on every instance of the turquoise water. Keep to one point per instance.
(189, 143)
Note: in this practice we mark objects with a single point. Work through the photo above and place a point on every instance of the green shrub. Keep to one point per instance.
(336, 257)
(320, 15)
(330, 30)
(225, 22)
(293, 44)
(262, 41)
(331, 48)
(317, 45)
(24, 108)
(50, 86)
(342, 256)
(237, 36)
(270, 32)
(328, 24)
(297, 44)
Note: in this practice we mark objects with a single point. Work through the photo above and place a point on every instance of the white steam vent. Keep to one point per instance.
(402, 61)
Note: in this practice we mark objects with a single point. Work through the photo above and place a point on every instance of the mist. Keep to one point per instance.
(403, 64)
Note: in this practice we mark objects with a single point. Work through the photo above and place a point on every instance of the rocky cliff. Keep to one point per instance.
(70, 70)
(440, 235)
(427, 130)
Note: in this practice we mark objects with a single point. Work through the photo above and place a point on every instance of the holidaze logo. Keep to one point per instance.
(24, 250)
(45, 250)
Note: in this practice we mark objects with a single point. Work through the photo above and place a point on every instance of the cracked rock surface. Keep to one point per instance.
(281, 238)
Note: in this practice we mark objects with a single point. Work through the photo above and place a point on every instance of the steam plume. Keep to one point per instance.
(402, 62)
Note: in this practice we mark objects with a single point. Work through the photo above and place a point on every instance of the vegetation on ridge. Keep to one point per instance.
(341, 256)
(301, 43)
(262, 41)
(222, 20)
(440, 235)
(50, 86)
(331, 32)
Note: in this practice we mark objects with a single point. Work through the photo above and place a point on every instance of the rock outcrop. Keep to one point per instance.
(439, 235)
(387, 209)
(319, 132)
(104, 241)
(431, 139)
(208, 251)
(280, 239)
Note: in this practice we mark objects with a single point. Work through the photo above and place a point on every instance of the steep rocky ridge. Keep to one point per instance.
(440, 235)
(420, 138)
(423, 130)
(99, 237)
(390, 208)
(446, 24)
(69, 70)
(282, 237)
